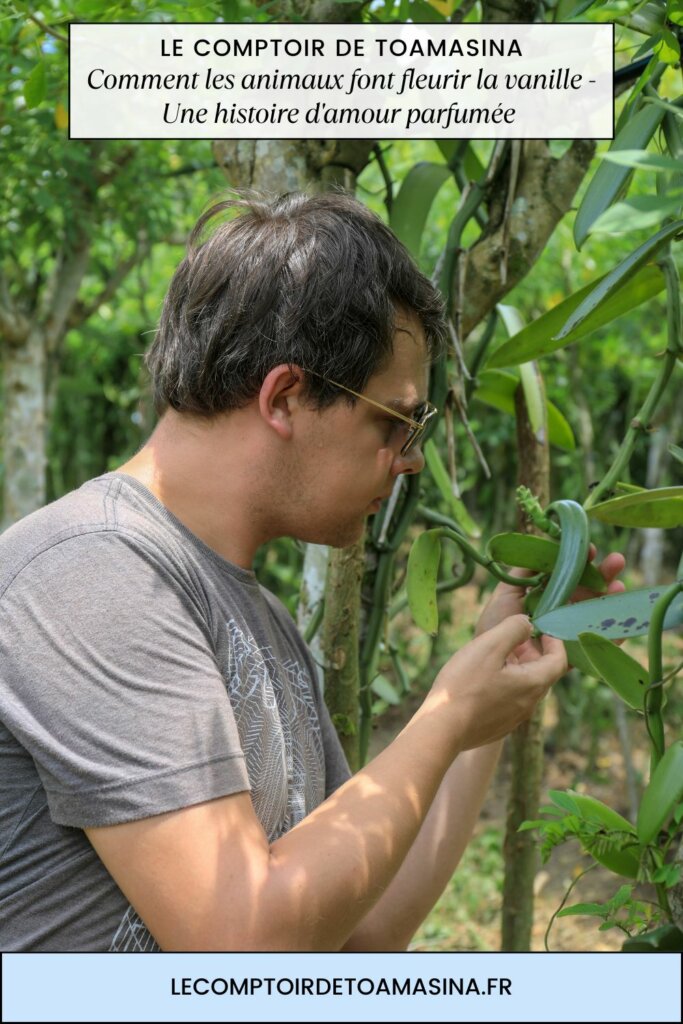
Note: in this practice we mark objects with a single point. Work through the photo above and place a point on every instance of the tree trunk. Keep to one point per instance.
(340, 643)
(275, 166)
(24, 427)
(526, 743)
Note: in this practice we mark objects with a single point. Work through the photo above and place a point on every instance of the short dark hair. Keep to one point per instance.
(314, 281)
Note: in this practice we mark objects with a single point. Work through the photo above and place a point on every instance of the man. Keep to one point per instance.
(173, 778)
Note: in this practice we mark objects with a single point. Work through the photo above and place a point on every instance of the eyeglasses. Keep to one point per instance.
(423, 413)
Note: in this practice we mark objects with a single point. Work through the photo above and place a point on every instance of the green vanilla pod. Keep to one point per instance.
(571, 558)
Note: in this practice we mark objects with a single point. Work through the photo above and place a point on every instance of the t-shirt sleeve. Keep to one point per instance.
(112, 684)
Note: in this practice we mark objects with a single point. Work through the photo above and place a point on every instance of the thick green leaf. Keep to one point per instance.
(667, 939)
(668, 108)
(540, 337)
(636, 213)
(563, 800)
(534, 397)
(422, 12)
(661, 507)
(622, 273)
(610, 179)
(497, 388)
(35, 85)
(411, 207)
(443, 482)
(511, 317)
(421, 579)
(578, 660)
(539, 553)
(623, 862)
(626, 488)
(589, 909)
(676, 452)
(529, 374)
(385, 689)
(663, 793)
(474, 169)
(619, 670)
(674, 11)
(657, 163)
(447, 147)
(667, 47)
(613, 616)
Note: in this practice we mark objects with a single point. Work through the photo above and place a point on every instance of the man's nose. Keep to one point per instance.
(412, 462)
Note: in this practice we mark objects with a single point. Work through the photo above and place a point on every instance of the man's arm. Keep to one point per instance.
(441, 842)
(433, 857)
(205, 877)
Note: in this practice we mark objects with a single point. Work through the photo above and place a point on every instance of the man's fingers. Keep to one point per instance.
(508, 634)
(612, 565)
(547, 668)
(609, 568)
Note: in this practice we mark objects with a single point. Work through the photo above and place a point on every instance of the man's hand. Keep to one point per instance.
(509, 600)
(495, 681)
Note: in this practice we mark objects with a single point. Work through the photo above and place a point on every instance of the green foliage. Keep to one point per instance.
(472, 900)
(619, 670)
(610, 839)
(423, 570)
(135, 201)
(541, 336)
(667, 939)
(442, 480)
(610, 179)
(622, 911)
(411, 207)
(621, 275)
(663, 795)
(539, 553)
(497, 389)
(613, 616)
(661, 507)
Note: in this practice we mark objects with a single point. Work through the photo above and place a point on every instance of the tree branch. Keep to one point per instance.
(67, 283)
(46, 28)
(81, 311)
(13, 324)
(545, 190)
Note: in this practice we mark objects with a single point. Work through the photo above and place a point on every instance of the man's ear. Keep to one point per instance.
(279, 398)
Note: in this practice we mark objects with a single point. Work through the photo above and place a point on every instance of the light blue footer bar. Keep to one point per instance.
(341, 987)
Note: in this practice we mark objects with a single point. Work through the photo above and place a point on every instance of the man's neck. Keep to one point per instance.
(184, 465)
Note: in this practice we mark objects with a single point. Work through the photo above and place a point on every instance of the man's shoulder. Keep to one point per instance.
(98, 514)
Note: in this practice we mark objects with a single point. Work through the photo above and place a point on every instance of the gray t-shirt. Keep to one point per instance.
(140, 672)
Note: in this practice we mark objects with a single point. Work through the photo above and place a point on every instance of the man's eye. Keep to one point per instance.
(395, 431)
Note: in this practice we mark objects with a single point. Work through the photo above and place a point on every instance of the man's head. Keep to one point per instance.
(313, 281)
(270, 326)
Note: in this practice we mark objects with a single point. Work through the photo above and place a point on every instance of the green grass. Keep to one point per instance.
(467, 915)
